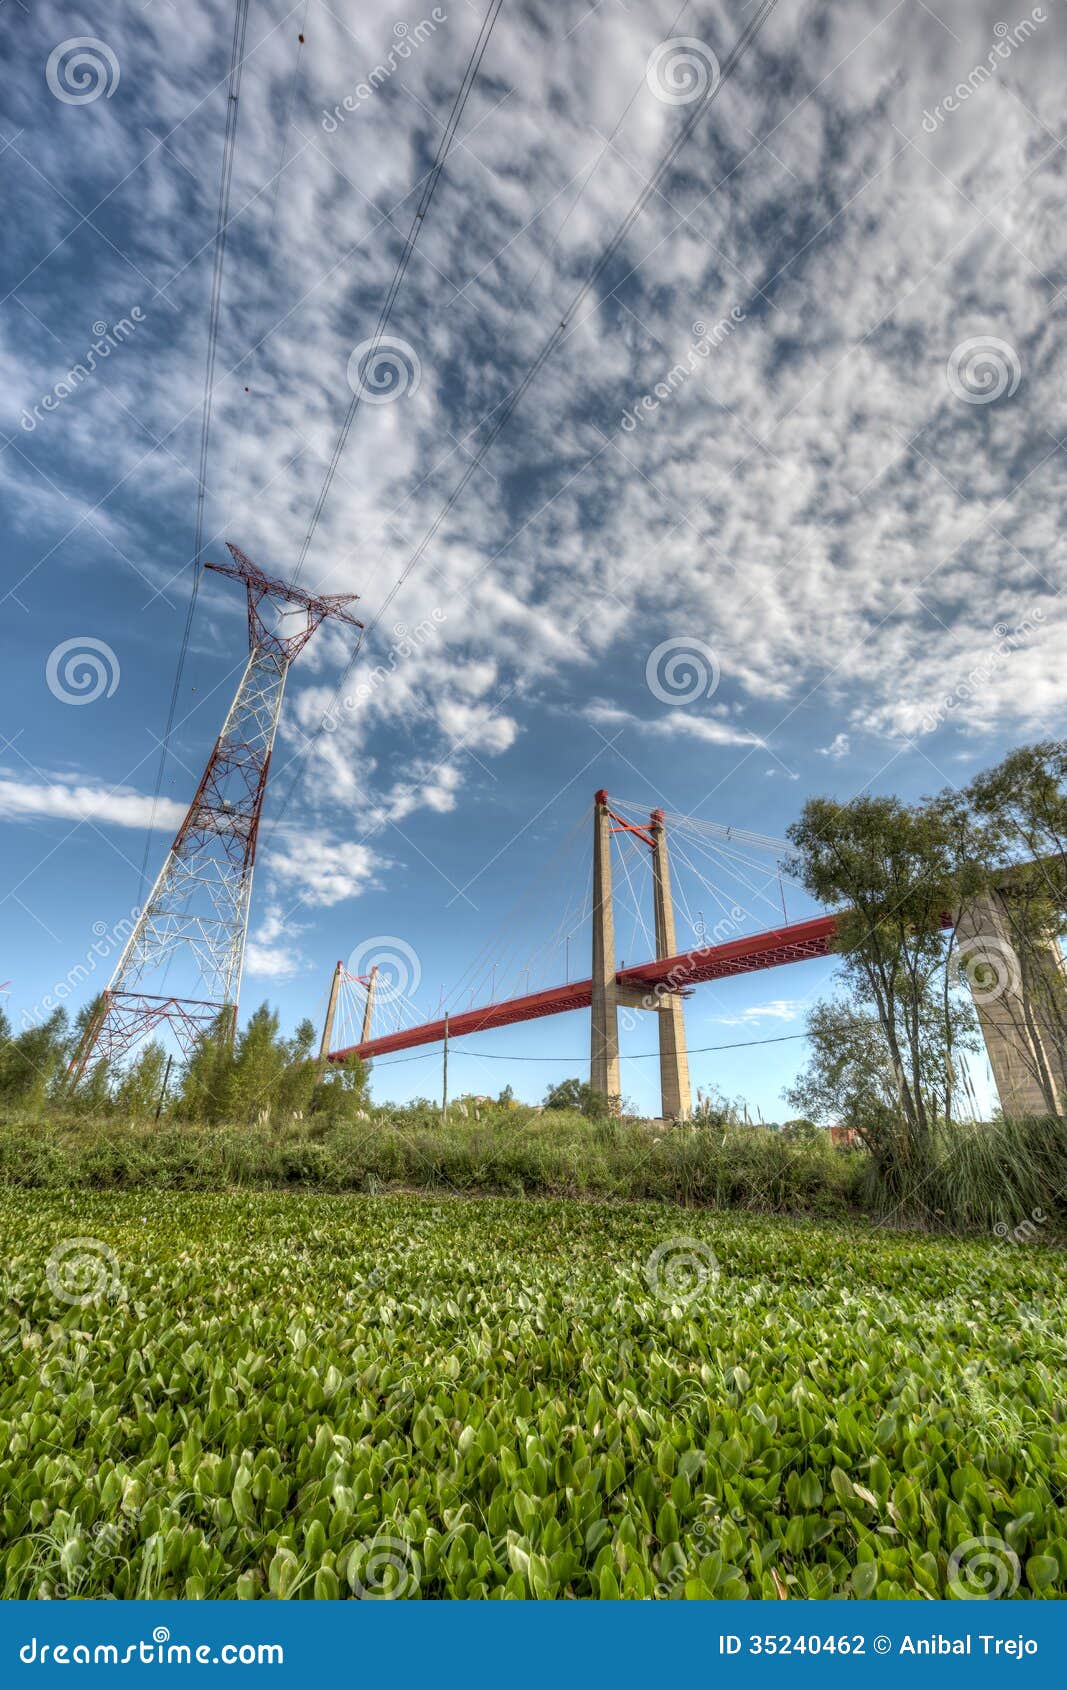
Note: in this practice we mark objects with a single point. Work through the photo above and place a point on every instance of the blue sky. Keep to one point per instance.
(845, 502)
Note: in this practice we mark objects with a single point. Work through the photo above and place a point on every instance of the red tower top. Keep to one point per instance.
(316, 607)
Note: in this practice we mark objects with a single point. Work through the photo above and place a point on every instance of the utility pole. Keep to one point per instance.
(327, 1025)
(444, 1074)
(197, 912)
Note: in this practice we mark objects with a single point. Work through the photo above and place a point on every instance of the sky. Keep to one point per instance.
(779, 517)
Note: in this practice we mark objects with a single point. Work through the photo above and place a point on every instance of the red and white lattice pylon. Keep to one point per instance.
(197, 911)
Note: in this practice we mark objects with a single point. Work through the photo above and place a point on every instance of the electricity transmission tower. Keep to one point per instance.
(196, 916)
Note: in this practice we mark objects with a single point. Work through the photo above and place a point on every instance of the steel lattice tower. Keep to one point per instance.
(197, 912)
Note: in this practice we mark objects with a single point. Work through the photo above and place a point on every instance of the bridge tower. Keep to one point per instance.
(608, 995)
(676, 1097)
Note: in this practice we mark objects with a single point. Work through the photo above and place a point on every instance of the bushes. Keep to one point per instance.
(997, 1176)
(508, 1152)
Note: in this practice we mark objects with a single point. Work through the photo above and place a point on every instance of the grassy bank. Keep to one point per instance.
(277, 1394)
(511, 1152)
(1001, 1177)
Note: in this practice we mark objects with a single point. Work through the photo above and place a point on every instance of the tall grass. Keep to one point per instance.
(507, 1152)
(991, 1177)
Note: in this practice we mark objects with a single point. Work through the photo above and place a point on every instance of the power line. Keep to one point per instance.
(429, 188)
(233, 95)
(507, 407)
(639, 1056)
(511, 403)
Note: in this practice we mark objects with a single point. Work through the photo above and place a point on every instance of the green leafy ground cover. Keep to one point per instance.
(291, 1395)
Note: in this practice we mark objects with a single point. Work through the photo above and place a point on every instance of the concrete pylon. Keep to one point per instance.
(327, 1025)
(368, 1007)
(604, 1020)
(676, 1097)
(1021, 1040)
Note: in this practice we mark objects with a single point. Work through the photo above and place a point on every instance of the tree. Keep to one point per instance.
(138, 1090)
(578, 1095)
(801, 1130)
(203, 1091)
(892, 872)
(33, 1064)
(342, 1093)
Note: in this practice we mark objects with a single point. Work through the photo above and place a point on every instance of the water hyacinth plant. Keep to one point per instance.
(276, 1395)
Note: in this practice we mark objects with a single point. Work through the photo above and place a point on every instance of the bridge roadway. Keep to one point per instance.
(792, 943)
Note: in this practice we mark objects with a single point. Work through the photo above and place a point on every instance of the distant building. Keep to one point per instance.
(845, 1138)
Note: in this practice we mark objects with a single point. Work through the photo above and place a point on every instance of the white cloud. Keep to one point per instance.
(273, 962)
(477, 726)
(813, 498)
(114, 806)
(779, 1009)
(320, 872)
(838, 747)
(676, 724)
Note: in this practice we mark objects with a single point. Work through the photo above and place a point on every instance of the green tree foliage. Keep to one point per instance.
(202, 1092)
(138, 1090)
(33, 1063)
(342, 1094)
(264, 1077)
(892, 873)
(577, 1095)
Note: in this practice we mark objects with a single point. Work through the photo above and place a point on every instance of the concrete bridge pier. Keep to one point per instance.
(676, 1096)
(604, 1020)
(1022, 1040)
(607, 995)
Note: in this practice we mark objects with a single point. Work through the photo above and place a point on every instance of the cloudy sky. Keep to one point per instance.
(779, 516)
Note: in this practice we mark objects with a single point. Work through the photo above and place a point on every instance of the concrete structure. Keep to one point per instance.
(609, 993)
(1014, 1003)
(677, 1098)
(604, 1020)
(1021, 1002)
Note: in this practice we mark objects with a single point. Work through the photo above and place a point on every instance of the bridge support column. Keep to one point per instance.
(675, 1094)
(1020, 1038)
(604, 1021)
(368, 1007)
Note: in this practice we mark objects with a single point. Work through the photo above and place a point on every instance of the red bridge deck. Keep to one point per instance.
(794, 943)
